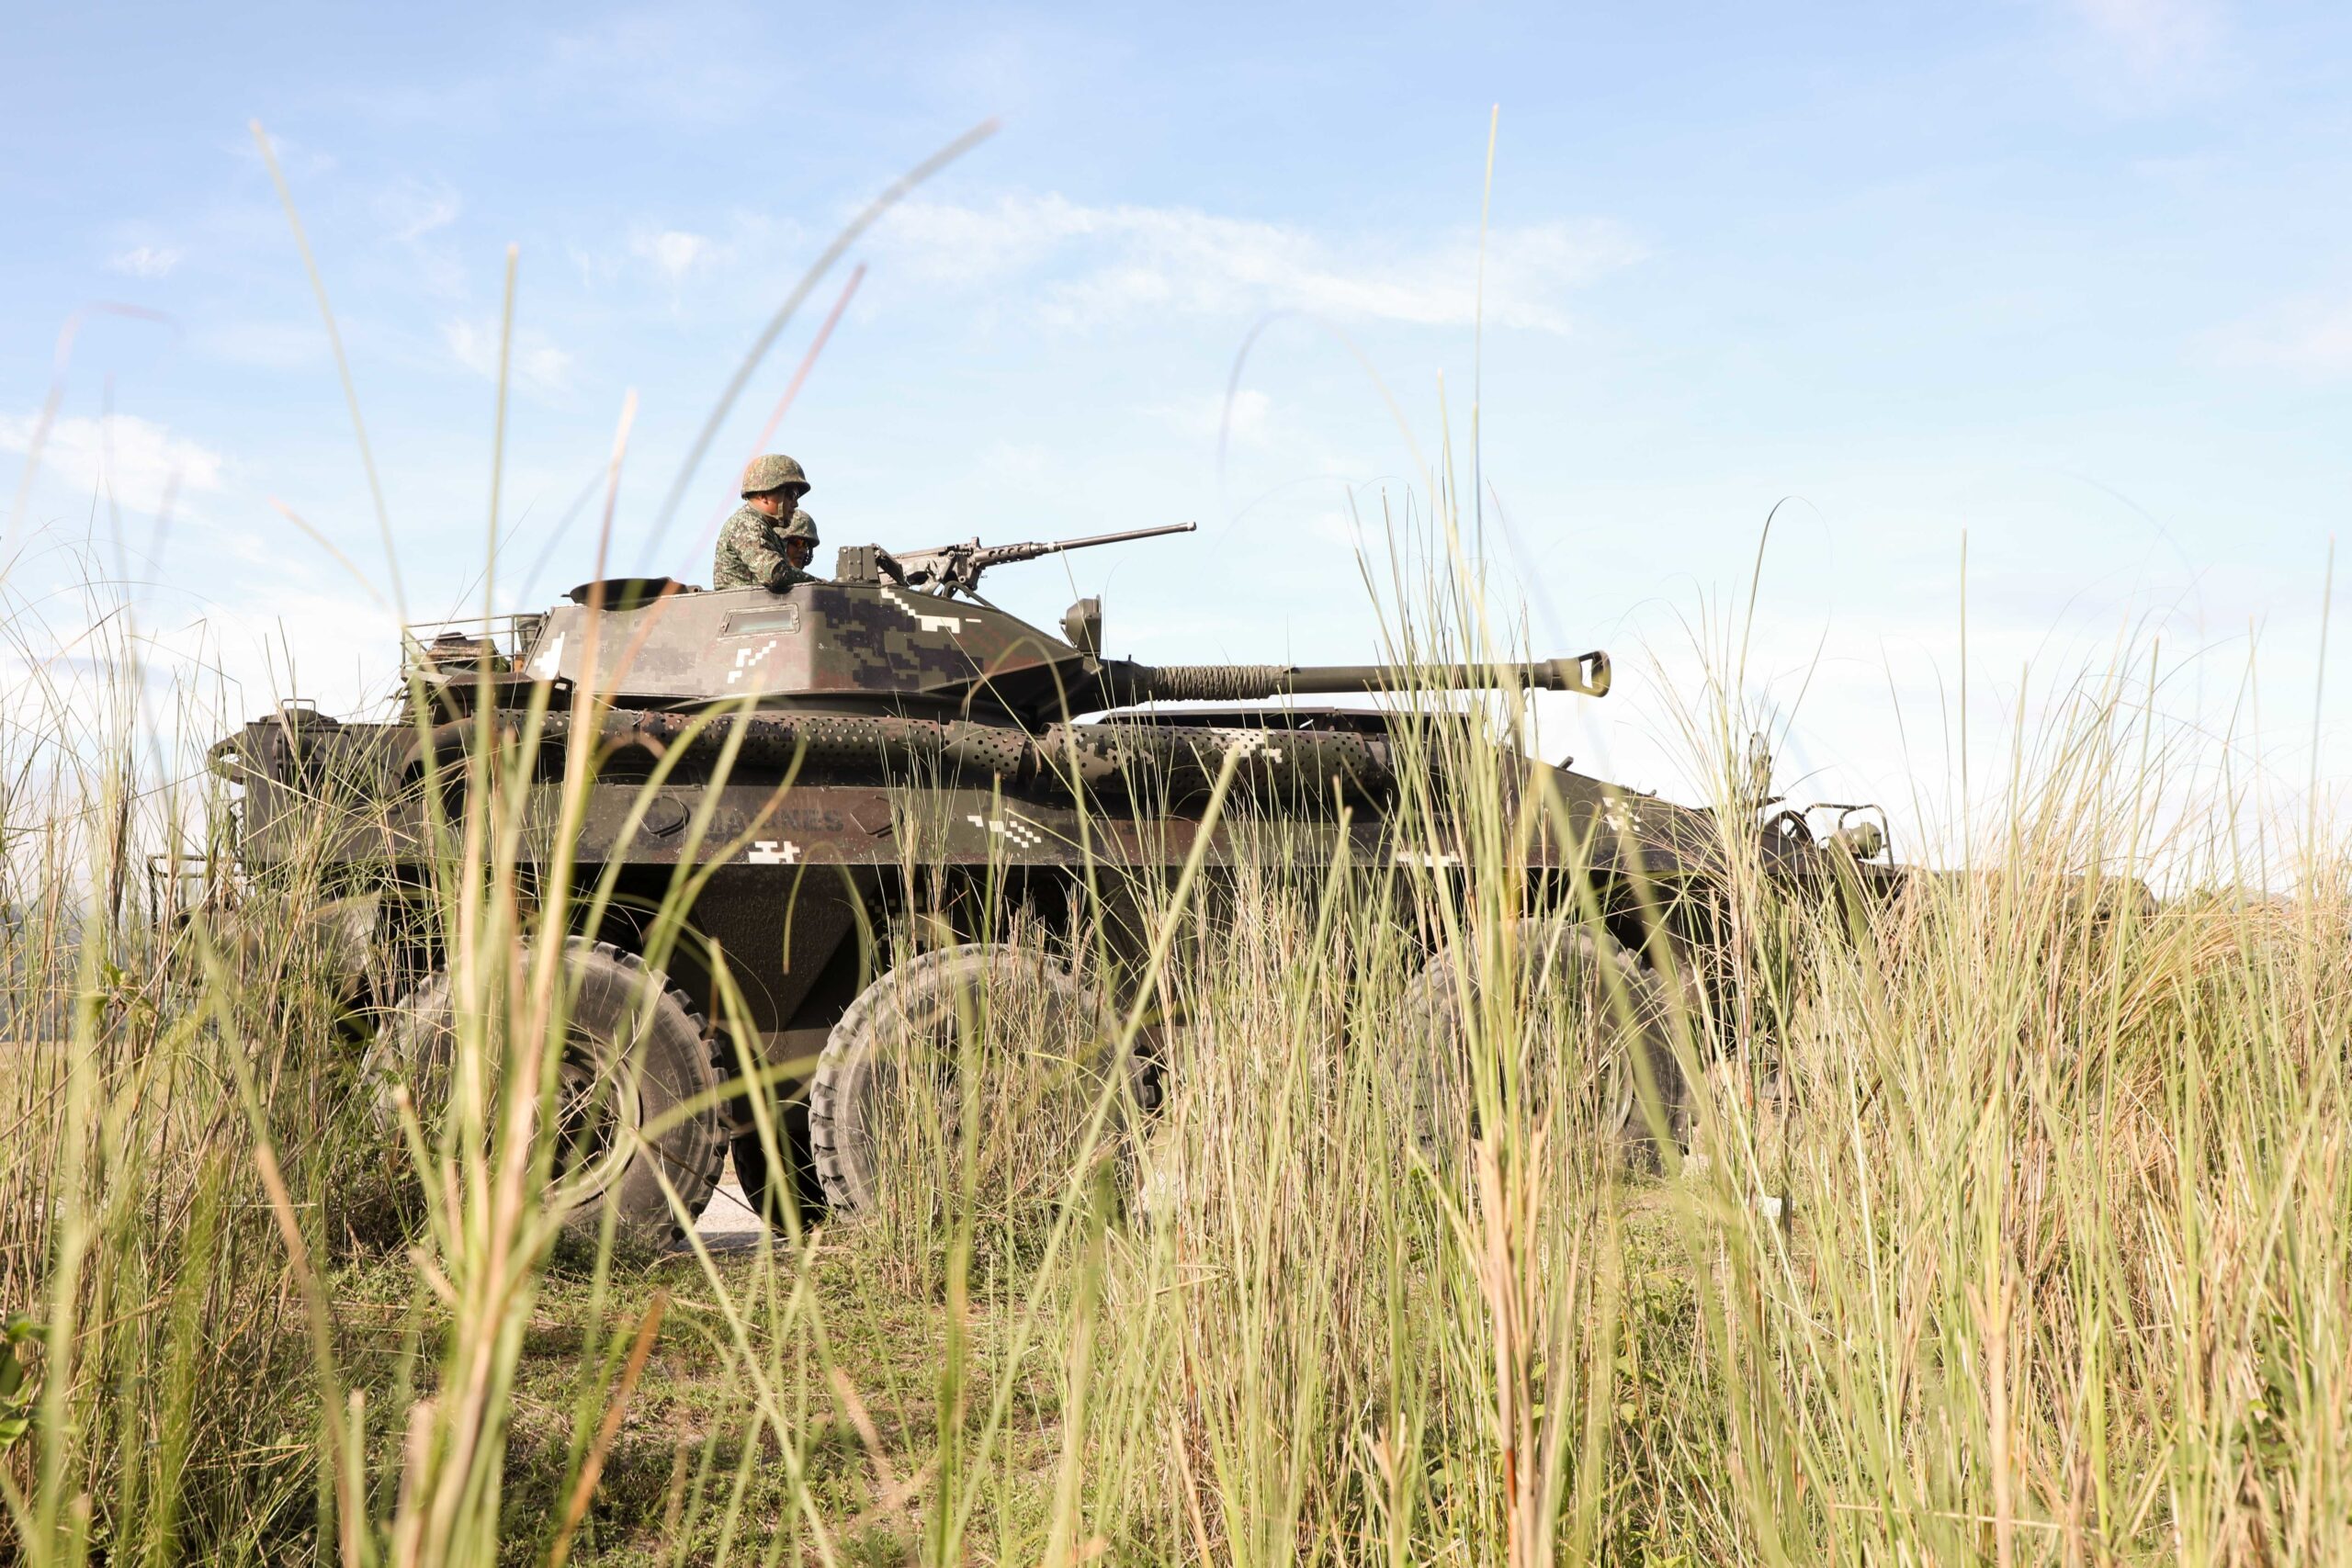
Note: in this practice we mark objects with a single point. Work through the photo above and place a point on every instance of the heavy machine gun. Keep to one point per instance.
(949, 569)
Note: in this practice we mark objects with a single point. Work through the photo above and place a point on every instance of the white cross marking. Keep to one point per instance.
(1248, 743)
(749, 656)
(1024, 834)
(774, 851)
(951, 625)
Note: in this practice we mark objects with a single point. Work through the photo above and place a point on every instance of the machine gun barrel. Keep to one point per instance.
(950, 569)
(1000, 554)
(1587, 672)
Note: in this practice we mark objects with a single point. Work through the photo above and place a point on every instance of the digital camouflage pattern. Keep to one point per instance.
(868, 726)
(874, 755)
(751, 550)
(773, 471)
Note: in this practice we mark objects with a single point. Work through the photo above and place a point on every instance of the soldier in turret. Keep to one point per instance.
(769, 541)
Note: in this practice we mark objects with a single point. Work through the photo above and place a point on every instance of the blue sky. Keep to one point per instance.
(2071, 275)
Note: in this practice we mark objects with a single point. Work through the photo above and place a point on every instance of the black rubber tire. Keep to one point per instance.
(670, 1063)
(910, 1005)
(1597, 972)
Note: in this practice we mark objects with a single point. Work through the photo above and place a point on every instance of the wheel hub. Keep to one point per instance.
(596, 1112)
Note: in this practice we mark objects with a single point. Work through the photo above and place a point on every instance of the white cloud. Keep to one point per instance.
(660, 63)
(138, 459)
(673, 252)
(2141, 57)
(741, 243)
(145, 261)
(270, 345)
(1243, 420)
(2155, 35)
(1259, 441)
(2194, 172)
(1336, 529)
(1023, 461)
(411, 210)
(1102, 263)
(2310, 335)
(296, 159)
(537, 364)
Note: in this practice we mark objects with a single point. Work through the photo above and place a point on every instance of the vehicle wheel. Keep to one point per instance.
(1588, 1011)
(900, 1054)
(633, 1054)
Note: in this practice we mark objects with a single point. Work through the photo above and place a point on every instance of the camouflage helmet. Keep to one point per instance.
(773, 471)
(800, 526)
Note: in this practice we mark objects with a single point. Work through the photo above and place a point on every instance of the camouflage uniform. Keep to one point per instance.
(750, 551)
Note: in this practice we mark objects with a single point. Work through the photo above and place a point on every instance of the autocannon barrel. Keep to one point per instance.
(1587, 672)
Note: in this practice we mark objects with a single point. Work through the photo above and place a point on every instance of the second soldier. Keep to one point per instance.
(769, 541)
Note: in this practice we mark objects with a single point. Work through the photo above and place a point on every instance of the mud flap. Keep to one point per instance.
(332, 942)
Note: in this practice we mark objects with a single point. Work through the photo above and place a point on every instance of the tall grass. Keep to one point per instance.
(2009, 1221)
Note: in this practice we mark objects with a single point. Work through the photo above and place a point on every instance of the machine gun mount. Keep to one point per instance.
(949, 569)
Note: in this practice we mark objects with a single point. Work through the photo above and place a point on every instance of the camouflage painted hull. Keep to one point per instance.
(821, 751)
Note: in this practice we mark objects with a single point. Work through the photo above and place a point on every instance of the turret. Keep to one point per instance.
(875, 648)
(901, 634)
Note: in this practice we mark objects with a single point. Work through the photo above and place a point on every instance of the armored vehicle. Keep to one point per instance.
(804, 754)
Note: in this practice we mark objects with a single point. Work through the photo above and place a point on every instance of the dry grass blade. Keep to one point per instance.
(350, 1521)
(592, 1468)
